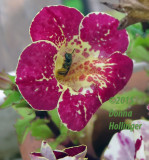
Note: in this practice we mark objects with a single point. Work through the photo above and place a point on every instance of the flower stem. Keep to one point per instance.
(50, 124)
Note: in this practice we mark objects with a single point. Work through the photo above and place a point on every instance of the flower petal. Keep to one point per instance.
(47, 152)
(139, 146)
(37, 156)
(35, 77)
(110, 75)
(75, 109)
(93, 83)
(100, 31)
(55, 23)
(115, 76)
(78, 152)
(121, 146)
(144, 132)
(60, 154)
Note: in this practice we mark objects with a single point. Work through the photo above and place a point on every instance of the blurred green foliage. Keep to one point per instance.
(22, 128)
(61, 138)
(126, 100)
(12, 97)
(139, 43)
(74, 3)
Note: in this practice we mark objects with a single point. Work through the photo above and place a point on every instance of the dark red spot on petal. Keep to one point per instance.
(85, 54)
(86, 68)
(87, 63)
(80, 90)
(81, 66)
(36, 154)
(89, 79)
(82, 78)
(138, 145)
(77, 50)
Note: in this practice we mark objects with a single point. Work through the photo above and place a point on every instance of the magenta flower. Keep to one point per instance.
(147, 107)
(73, 153)
(75, 63)
(128, 145)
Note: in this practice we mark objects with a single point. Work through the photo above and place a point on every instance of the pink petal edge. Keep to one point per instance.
(100, 31)
(35, 78)
(55, 23)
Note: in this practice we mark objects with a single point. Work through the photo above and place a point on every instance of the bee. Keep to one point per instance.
(66, 65)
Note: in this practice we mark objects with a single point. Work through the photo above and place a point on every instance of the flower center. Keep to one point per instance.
(75, 72)
(62, 72)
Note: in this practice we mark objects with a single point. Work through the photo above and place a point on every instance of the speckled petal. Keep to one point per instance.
(78, 151)
(116, 73)
(93, 82)
(47, 152)
(100, 31)
(37, 156)
(35, 78)
(75, 109)
(56, 24)
(121, 146)
(110, 75)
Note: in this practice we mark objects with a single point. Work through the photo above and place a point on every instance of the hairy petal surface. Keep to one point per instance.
(56, 23)
(99, 30)
(35, 78)
(121, 146)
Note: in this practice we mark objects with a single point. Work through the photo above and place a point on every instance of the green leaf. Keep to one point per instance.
(55, 117)
(22, 128)
(139, 53)
(147, 72)
(24, 111)
(13, 97)
(131, 43)
(12, 78)
(22, 104)
(63, 129)
(135, 30)
(40, 130)
(127, 99)
(74, 3)
(140, 41)
(7, 92)
(63, 136)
